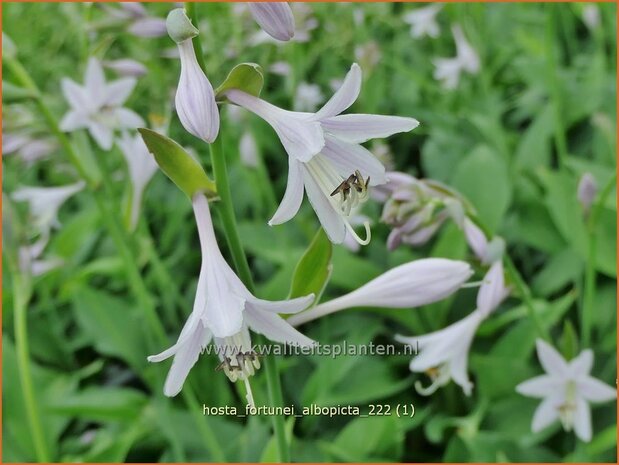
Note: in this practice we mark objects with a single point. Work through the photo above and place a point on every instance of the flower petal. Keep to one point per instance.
(348, 157)
(345, 95)
(117, 92)
(540, 386)
(595, 390)
(94, 82)
(188, 330)
(358, 128)
(552, 362)
(73, 120)
(275, 328)
(275, 18)
(582, 420)
(293, 196)
(582, 364)
(492, 291)
(76, 95)
(330, 219)
(148, 27)
(282, 306)
(101, 134)
(546, 413)
(128, 119)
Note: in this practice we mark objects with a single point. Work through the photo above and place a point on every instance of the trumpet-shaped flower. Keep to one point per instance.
(44, 203)
(567, 388)
(224, 310)
(423, 21)
(97, 105)
(30, 260)
(325, 157)
(413, 284)
(444, 354)
(448, 70)
(275, 18)
(142, 166)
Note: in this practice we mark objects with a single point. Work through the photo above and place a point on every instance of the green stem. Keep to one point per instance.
(587, 309)
(20, 304)
(226, 213)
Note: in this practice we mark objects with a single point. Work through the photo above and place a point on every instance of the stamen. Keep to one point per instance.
(250, 396)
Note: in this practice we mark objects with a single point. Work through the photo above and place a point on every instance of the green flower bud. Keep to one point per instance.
(179, 26)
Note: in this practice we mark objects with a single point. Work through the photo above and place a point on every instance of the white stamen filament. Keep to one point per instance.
(250, 395)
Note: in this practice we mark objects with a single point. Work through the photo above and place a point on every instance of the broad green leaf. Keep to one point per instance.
(560, 269)
(101, 404)
(314, 269)
(247, 77)
(534, 147)
(178, 165)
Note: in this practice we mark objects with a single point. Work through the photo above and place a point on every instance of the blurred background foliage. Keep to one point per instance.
(515, 139)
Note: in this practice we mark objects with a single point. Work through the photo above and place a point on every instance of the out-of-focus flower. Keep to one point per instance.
(195, 98)
(97, 105)
(368, 55)
(28, 148)
(281, 68)
(307, 97)
(567, 388)
(413, 284)
(126, 67)
(44, 203)
(30, 261)
(142, 166)
(224, 310)
(423, 21)
(587, 190)
(248, 150)
(325, 156)
(448, 70)
(304, 22)
(591, 16)
(139, 22)
(382, 151)
(149, 27)
(443, 355)
(275, 18)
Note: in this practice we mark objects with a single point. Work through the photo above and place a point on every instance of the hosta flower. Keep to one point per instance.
(44, 203)
(248, 150)
(27, 147)
(30, 260)
(126, 67)
(567, 388)
(443, 355)
(587, 190)
(142, 166)
(223, 311)
(423, 21)
(325, 156)
(275, 18)
(591, 16)
(448, 70)
(195, 98)
(413, 284)
(307, 97)
(97, 105)
(141, 23)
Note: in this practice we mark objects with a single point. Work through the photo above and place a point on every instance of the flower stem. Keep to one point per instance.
(226, 213)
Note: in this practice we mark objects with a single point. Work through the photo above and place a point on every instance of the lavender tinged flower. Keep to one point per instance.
(97, 105)
(567, 388)
(195, 98)
(448, 70)
(126, 67)
(224, 310)
(27, 147)
(423, 21)
(587, 190)
(275, 18)
(325, 155)
(413, 284)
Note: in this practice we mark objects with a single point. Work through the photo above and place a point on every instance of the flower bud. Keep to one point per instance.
(587, 190)
(275, 18)
(179, 26)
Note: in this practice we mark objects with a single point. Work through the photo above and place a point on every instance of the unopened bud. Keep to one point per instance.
(179, 26)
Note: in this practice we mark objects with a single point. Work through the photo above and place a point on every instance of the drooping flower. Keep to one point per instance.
(44, 203)
(448, 70)
(413, 284)
(224, 310)
(27, 147)
(142, 166)
(325, 156)
(443, 355)
(126, 67)
(97, 105)
(567, 388)
(275, 18)
(195, 97)
(423, 21)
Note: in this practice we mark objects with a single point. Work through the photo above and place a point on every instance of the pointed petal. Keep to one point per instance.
(275, 328)
(188, 330)
(101, 134)
(117, 92)
(540, 386)
(76, 95)
(582, 364)
(595, 390)
(128, 119)
(275, 18)
(348, 157)
(330, 219)
(94, 82)
(492, 291)
(476, 239)
(282, 306)
(293, 196)
(73, 120)
(358, 128)
(582, 420)
(148, 27)
(546, 413)
(458, 369)
(552, 362)
(345, 95)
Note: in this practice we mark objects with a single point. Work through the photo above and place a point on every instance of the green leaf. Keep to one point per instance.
(314, 269)
(270, 454)
(178, 165)
(101, 404)
(247, 77)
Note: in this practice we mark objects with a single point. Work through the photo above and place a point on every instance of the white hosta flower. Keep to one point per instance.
(476, 239)
(448, 70)
(126, 67)
(368, 54)
(443, 355)
(423, 21)
(413, 284)
(44, 203)
(97, 105)
(567, 388)
(224, 310)
(195, 98)
(30, 261)
(307, 97)
(142, 166)
(324, 151)
(148, 27)
(28, 148)
(248, 149)
(587, 190)
(275, 18)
